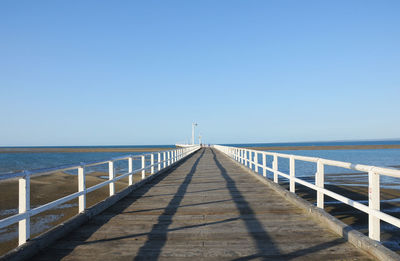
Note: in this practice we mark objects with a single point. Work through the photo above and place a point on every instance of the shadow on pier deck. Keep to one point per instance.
(207, 208)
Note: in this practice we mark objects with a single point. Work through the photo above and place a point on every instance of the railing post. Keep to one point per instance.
(275, 168)
(374, 224)
(169, 158)
(130, 169)
(143, 166)
(111, 176)
(292, 174)
(152, 163)
(251, 160)
(319, 182)
(24, 226)
(165, 159)
(159, 161)
(82, 188)
(248, 158)
(256, 162)
(264, 156)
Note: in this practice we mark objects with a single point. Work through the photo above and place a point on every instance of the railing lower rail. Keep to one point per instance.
(157, 163)
(249, 158)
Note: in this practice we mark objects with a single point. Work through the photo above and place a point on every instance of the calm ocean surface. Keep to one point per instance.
(12, 162)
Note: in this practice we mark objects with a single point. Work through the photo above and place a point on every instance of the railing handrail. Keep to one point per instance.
(164, 159)
(245, 157)
(22, 173)
(387, 171)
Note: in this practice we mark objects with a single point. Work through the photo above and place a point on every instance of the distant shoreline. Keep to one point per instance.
(152, 149)
(94, 149)
(330, 147)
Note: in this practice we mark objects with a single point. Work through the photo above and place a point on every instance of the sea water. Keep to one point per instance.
(14, 162)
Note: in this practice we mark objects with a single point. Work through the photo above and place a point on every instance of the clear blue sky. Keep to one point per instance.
(139, 72)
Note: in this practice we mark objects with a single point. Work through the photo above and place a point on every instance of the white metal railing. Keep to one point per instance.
(164, 159)
(249, 158)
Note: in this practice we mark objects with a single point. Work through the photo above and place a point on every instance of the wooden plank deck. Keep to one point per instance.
(205, 209)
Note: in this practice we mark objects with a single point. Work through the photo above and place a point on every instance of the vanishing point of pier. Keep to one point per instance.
(205, 208)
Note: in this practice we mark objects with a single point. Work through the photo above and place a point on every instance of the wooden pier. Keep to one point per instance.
(206, 208)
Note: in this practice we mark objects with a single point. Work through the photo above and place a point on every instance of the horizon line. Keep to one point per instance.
(144, 145)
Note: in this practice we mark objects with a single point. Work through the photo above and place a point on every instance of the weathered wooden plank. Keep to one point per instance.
(205, 209)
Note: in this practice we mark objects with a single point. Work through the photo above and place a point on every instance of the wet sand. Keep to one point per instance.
(341, 147)
(45, 189)
(56, 149)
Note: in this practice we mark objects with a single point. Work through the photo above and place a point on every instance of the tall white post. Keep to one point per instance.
(193, 126)
(24, 226)
(152, 163)
(143, 166)
(130, 170)
(275, 168)
(111, 176)
(319, 182)
(264, 156)
(165, 159)
(82, 188)
(374, 223)
(292, 174)
(159, 161)
(169, 157)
